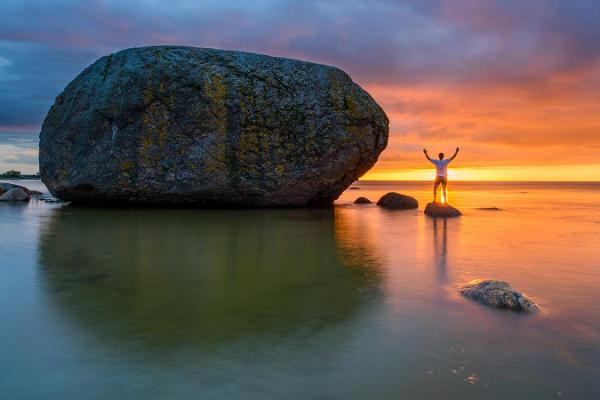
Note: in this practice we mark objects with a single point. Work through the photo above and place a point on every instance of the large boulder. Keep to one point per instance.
(498, 294)
(397, 201)
(441, 210)
(184, 125)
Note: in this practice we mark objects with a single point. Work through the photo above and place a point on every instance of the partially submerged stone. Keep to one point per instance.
(397, 201)
(192, 126)
(441, 210)
(362, 200)
(4, 186)
(498, 294)
(15, 194)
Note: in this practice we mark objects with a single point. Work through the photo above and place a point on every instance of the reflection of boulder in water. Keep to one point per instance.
(169, 276)
(356, 239)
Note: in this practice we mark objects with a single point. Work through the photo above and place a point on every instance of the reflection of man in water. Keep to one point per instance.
(441, 177)
(440, 245)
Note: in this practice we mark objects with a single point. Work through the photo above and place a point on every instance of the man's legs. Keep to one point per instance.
(444, 183)
(436, 184)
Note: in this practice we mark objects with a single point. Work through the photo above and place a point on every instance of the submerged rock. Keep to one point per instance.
(441, 210)
(498, 294)
(362, 200)
(15, 194)
(184, 125)
(397, 201)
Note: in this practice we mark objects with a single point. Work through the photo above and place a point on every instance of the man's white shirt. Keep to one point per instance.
(441, 166)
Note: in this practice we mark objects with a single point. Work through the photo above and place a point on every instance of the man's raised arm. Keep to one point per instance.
(426, 155)
(455, 154)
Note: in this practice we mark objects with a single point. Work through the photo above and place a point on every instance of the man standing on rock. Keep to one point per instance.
(441, 167)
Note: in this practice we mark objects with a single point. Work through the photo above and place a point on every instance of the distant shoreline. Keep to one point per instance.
(20, 178)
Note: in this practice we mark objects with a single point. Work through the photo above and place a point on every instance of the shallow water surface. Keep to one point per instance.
(349, 302)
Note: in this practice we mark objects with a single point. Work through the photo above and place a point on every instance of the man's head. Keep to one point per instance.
(441, 156)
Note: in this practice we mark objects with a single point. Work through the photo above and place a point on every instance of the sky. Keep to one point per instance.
(514, 83)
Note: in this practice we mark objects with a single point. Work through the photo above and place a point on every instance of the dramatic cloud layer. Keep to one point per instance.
(514, 83)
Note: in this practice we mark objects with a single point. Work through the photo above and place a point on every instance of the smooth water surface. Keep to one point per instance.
(352, 302)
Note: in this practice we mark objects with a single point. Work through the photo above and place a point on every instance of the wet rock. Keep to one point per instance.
(498, 294)
(4, 186)
(193, 126)
(441, 210)
(397, 201)
(362, 200)
(15, 194)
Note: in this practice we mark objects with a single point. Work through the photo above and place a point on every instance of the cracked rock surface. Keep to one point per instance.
(498, 294)
(184, 125)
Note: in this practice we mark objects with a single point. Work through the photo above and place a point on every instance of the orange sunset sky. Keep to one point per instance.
(514, 84)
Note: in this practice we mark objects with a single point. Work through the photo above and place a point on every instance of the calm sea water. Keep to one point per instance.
(353, 302)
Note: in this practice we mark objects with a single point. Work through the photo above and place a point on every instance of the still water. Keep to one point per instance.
(352, 302)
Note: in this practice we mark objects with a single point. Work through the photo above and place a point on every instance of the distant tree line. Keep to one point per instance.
(12, 174)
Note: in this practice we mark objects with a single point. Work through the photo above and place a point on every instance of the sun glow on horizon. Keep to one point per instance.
(578, 172)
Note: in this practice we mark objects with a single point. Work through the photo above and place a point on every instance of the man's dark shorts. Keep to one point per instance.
(441, 179)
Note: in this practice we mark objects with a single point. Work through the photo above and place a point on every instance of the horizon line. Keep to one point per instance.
(478, 180)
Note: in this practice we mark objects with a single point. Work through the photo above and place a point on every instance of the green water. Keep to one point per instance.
(349, 302)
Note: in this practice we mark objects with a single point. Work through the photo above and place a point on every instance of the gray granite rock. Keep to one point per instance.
(15, 194)
(184, 125)
(498, 294)
(397, 201)
(5, 186)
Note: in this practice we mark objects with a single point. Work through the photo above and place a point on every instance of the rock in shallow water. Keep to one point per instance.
(4, 186)
(22, 194)
(183, 125)
(441, 210)
(397, 201)
(498, 294)
(362, 200)
(15, 194)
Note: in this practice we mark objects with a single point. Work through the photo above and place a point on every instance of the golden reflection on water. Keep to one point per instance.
(523, 233)
(440, 248)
